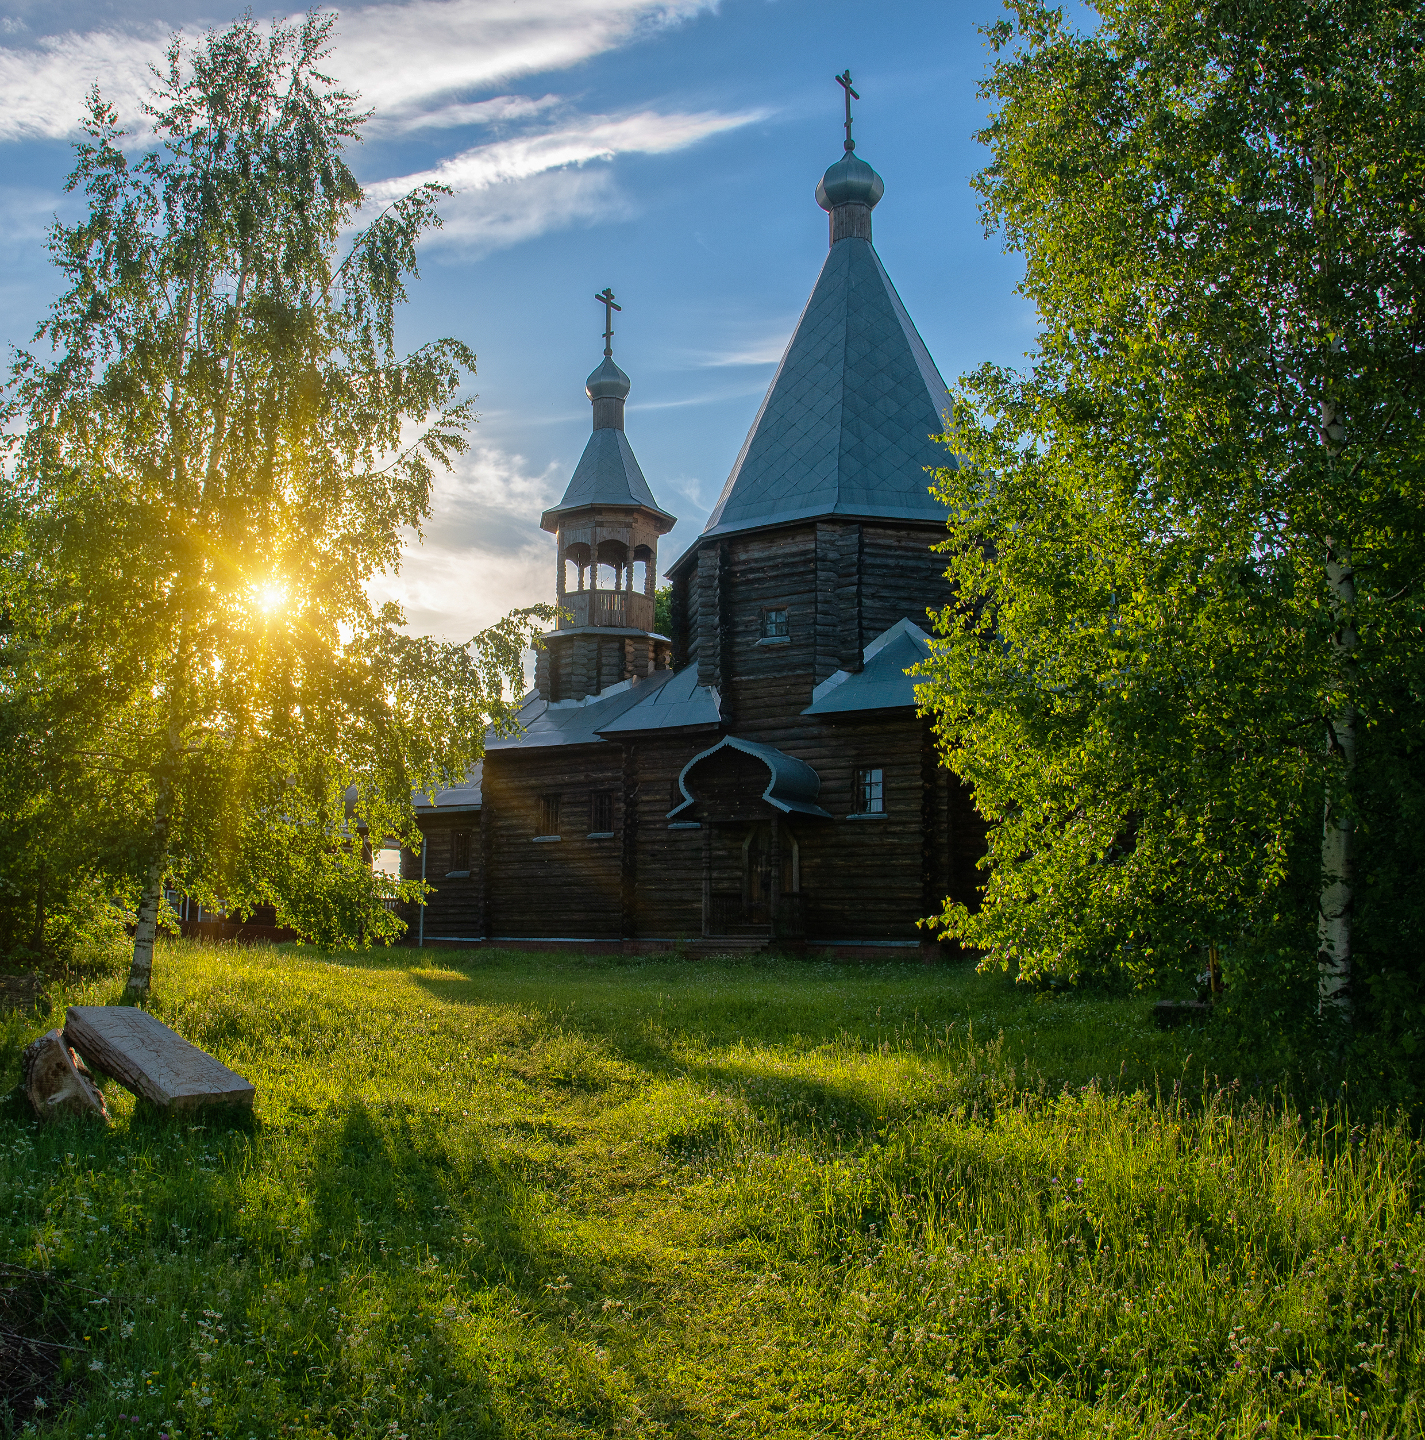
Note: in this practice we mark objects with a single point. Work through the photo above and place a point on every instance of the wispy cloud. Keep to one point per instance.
(498, 216)
(407, 60)
(766, 351)
(512, 189)
(500, 110)
(400, 55)
(599, 137)
(45, 84)
(483, 553)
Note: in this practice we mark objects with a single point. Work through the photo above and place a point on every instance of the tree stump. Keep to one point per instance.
(56, 1081)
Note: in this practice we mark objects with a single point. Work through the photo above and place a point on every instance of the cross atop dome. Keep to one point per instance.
(850, 189)
(844, 81)
(605, 297)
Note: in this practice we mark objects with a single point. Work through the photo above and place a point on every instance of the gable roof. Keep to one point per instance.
(846, 424)
(608, 474)
(679, 703)
(574, 722)
(881, 683)
(457, 797)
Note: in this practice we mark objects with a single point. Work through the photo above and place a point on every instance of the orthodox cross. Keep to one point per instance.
(845, 82)
(607, 301)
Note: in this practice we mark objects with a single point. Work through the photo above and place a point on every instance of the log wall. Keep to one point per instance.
(842, 583)
(571, 886)
(456, 908)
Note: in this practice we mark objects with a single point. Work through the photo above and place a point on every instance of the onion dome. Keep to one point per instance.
(608, 382)
(851, 181)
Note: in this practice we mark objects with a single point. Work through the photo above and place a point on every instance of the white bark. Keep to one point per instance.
(1333, 926)
(141, 968)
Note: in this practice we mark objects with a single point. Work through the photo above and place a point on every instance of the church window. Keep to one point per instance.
(459, 852)
(601, 813)
(774, 624)
(870, 792)
(549, 814)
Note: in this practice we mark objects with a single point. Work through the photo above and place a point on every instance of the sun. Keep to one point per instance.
(270, 596)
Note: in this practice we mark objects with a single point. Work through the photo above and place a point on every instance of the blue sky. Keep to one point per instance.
(668, 148)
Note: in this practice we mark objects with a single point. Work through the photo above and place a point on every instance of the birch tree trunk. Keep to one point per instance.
(141, 968)
(151, 898)
(1333, 926)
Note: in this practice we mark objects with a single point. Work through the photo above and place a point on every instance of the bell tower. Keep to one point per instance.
(606, 531)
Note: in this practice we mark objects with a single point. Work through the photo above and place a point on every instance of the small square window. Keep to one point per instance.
(601, 812)
(549, 814)
(870, 792)
(459, 849)
(774, 624)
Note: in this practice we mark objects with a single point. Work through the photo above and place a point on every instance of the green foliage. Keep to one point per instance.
(663, 610)
(524, 1195)
(220, 447)
(1220, 217)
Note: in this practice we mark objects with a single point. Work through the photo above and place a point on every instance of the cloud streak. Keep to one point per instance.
(513, 189)
(402, 58)
(600, 137)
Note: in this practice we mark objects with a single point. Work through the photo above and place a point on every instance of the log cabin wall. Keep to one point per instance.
(902, 576)
(862, 878)
(668, 898)
(569, 887)
(842, 583)
(455, 909)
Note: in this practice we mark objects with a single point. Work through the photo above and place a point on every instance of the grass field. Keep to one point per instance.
(524, 1195)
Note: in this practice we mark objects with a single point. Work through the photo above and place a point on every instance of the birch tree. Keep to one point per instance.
(1188, 536)
(214, 444)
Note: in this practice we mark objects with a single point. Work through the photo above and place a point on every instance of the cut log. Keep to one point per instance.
(57, 1083)
(151, 1060)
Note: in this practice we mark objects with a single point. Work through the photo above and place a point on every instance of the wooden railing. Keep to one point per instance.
(727, 914)
(616, 609)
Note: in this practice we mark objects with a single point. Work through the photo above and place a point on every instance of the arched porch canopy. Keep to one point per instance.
(792, 785)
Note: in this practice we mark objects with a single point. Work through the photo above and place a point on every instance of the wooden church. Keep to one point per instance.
(759, 774)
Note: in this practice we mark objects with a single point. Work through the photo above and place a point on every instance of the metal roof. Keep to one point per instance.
(846, 424)
(882, 683)
(679, 703)
(792, 785)
(608, 474)
(575, 722)
(458, 797)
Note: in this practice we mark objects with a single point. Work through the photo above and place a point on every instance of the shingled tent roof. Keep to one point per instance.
(608, 473)
(845, 428)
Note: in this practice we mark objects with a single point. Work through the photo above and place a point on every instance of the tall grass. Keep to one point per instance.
(544, 1196)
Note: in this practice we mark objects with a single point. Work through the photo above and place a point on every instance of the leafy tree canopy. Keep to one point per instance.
(215, 447)
(1187, 538)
